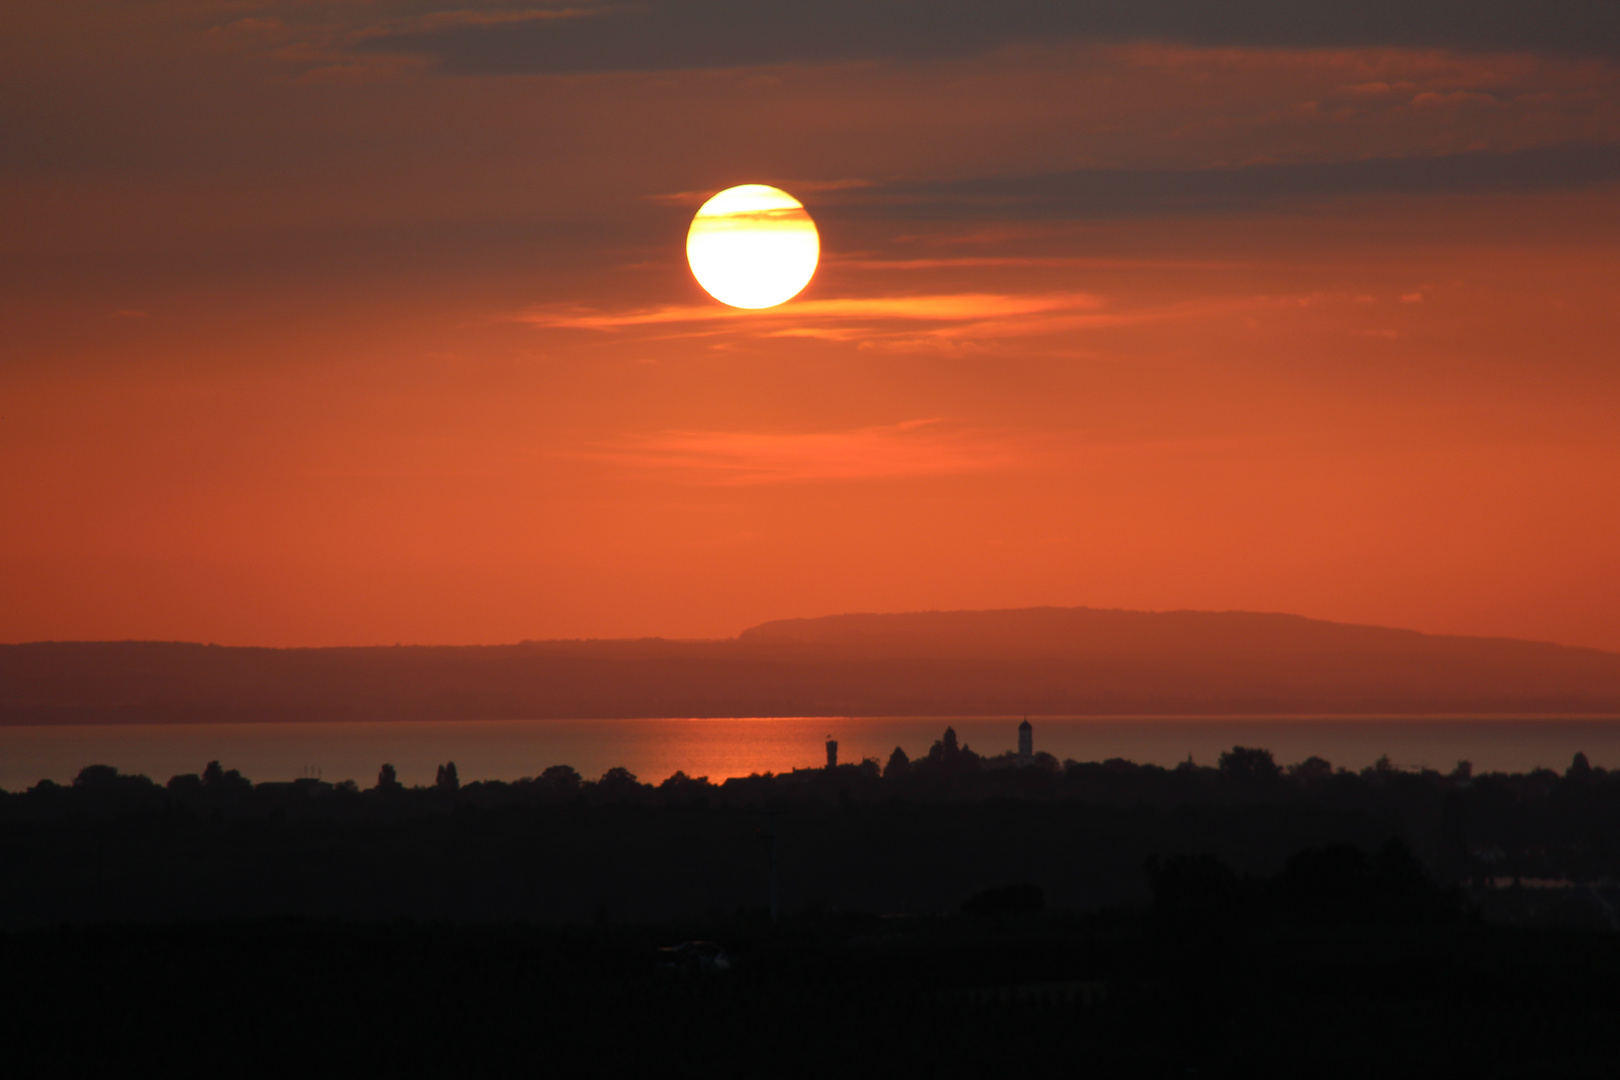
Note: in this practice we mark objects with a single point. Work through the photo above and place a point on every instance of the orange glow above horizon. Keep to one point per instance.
(315, 346)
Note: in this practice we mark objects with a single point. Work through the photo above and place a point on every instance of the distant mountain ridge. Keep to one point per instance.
(1046, 661)
(1056, 631)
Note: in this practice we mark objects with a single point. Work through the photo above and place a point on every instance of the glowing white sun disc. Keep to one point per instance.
(753, 246)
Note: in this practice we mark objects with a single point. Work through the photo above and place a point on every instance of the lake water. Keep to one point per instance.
(653, 749)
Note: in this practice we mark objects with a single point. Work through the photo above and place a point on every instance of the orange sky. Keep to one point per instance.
(310, 340)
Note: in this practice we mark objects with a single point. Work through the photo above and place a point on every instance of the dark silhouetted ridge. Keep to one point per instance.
(1052, 661)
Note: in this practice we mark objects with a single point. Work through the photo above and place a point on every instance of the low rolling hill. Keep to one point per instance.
(1042, 661)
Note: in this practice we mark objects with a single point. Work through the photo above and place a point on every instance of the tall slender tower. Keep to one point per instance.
(1026, 743)
(832, 752)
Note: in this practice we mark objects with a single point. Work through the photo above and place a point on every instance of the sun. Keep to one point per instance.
(753, 246)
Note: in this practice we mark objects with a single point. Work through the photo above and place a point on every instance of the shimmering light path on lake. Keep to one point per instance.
(653, 749)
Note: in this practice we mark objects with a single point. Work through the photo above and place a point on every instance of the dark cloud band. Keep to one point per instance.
(1113, 193)
(660, 35)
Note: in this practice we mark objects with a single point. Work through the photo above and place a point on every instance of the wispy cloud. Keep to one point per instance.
(943, 308)
(451, 20)
(695, 198)
(932, 447)
(908, 323)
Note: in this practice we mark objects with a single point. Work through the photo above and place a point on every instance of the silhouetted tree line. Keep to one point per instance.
(916, 834)
(1538, 825)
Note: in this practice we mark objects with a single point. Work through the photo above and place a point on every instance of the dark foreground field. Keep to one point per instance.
(943, 917)
(1007, 995)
